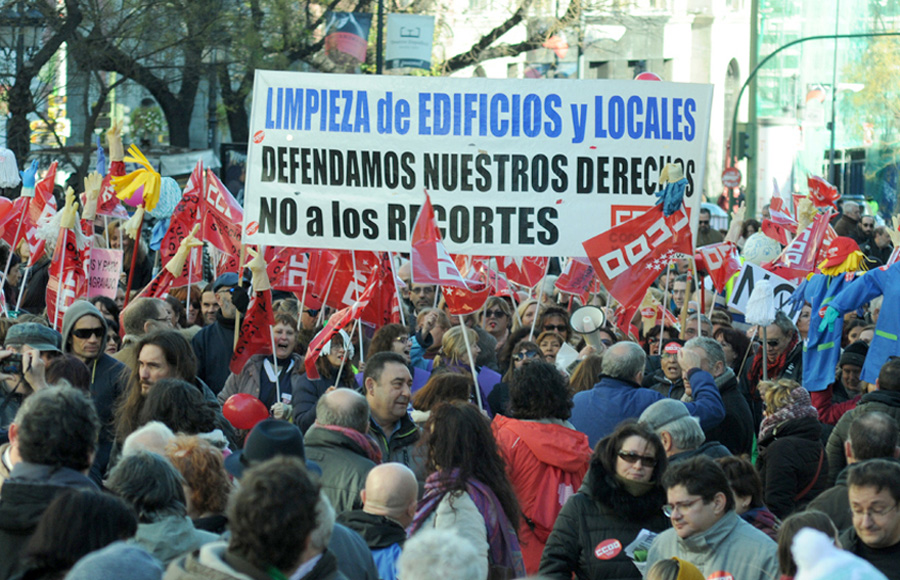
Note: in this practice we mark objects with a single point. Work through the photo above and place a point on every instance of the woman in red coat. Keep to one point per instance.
(546, 457)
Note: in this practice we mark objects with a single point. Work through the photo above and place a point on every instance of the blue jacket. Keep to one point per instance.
(871, 284)
(598, 411)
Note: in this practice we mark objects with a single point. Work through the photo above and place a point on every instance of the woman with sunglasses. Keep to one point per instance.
(496, 319)
(554, 319)
(525, 352)
(620, 496)
(546, 458)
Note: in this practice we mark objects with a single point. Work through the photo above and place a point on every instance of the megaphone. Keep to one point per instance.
(587, 321)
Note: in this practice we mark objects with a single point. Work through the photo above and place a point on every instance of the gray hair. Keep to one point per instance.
(352, 414)
(784, 324)
(623, 361)
(153, 437)
(875, 303)
(325, 518)
(686, 433)
(434, 553)
(711, 348)
(151, 484)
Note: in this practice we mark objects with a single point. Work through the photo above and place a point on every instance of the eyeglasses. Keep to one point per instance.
(402, 339)
(606, 342)
(85, 333)
(520, 356)
(671, 508)
(494, 314)
(872, 512)
(312, 312)
(631, 458)
(557, 327)
(703, 222)
(773, 343)
(420, 290)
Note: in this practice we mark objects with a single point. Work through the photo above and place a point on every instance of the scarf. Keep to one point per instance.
(365, 442)
(774, 368)
(503, 543)
(635, 488)
(799, 408)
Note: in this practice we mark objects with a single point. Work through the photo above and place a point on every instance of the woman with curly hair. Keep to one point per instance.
(546, 458)
(208, 485)
(467, 490)
(621, 495)
(391, 338)
(525, 352)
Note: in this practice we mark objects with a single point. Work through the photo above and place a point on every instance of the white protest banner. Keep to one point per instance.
(408, 41)
(103, 277)
(746, 280)
(513, 167)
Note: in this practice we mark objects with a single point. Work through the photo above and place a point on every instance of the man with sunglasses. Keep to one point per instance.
(84, 334)
(706, 235)
(706, 530)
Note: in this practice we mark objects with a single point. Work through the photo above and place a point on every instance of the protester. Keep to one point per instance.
(207, 485)
(845, 392)
(788, 531)
(667, 381)
(735, 344)
(546, 458)
(467, 488)
(748, 495)
(527, 311)
(214, 344)
(783, 359)
(387, 385)
(621, 495)
(333, 366)
(874, 492)
(525, 353)
(496, 319)
(391, 338)
(441, 553)
(680, 434)
(141, 317)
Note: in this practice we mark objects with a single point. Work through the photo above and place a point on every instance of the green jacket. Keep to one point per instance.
(344, 464)
(885, 401)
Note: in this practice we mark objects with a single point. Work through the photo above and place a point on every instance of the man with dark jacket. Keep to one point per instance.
(874, 494)
(879, 247)
(387, 384)
(214, 344)
(338, 444)
(886, 398)
(847, 224)
(874, 435)
(55, 432)
(619, 394)
(667, 380)
(389, 504)
(736, 430)
(84, 334)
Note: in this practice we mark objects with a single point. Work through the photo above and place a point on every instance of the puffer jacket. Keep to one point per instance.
(344, 465)
(248, 380)
(884, 401)
(538, 453)
(790, 458)
(596, 525)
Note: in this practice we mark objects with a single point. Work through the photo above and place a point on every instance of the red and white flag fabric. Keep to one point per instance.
(430, 263)
(383, 307)
(524, 271)
(630, 256)
(338, 321)
(221, 216)
(35, 212)
(471, 299)
(800, 257)
(108, 203)
(576, 278)
(68, 279)
(780, 225)
(721, 261)
(175, 269)
(288, 268)
(352, 273)
(185, 216)
(822, 193)
(256, 331)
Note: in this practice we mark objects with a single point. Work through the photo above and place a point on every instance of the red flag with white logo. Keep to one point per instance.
(780, 224)
(288, 268)
(822, 193)
(630, 256)
(159, 286)
(430, 263)
(525, 271)
(383, 307)
(576, 278)
(800, 257)
(721, 261)
(256, 331)
(67, 278)
(184, 217)
(221, 216)
(478, 286)
(35, 212)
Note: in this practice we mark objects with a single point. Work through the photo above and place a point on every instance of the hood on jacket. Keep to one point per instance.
(551, 443)
(74, 313)
(378, 531)
(603, 488)
(803, 427)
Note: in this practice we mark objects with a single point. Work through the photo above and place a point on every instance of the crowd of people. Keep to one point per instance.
(499, 445)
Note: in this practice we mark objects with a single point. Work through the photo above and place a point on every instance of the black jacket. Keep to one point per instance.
(836, 503)
(344, 464)
(791, 457)
(214, 345)
(793, 370)
(599, 512)
(378, 531)
(711, 449)
(884, 401)
(735, 431)
(662, 385)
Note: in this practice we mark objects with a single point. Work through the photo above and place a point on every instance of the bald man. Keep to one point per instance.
(389, 504)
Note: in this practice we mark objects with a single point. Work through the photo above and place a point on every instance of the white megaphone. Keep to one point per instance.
(587, 321)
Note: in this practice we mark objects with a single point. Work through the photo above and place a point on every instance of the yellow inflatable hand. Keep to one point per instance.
(69, 214)
(257, 265)
(148, 178)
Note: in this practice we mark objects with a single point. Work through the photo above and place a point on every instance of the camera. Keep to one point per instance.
(12, 365)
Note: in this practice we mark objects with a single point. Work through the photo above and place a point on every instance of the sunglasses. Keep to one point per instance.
(558, 327)
(703, 223)
(403, 339)
(494, 314)
(773, 343)
(631, 458)
(312, 312)
(85, 333)
(520, 356)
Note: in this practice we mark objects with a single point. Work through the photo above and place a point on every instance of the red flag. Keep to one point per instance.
(322, 268)
(221, 216)
(830, 236)
(336, 323)
(288, 268)
(108, 203)
(799, 258)
(159, 286)
(822, 193)
(479, 286)
(383, 307)
(34, 212)
(184, 217)
(66, 276)
(429, 261)
(525, 271)
(780, 222)
(630, 256)
(348, 283)
(256, 331)
(576, 277)
(721, 261)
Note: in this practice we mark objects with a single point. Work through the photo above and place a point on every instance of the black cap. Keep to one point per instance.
(269, 438)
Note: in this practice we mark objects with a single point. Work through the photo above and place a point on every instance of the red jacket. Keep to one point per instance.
(546, 463)
(830, 412)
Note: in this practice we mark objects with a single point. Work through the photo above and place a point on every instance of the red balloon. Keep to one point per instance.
(244, 411)
(648, 76)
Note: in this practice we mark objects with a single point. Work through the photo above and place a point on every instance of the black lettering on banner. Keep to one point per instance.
(584, 176)
(391, 170)
(526, 225)
(396, 222)
(483, 230)
(505, 223)
(519, 171)
(335, 168)
(267, 215)
(315, 222)
(483, 183)
(350, 220)
(370, 229)
(540, 173)
(550, 235)
(268, 164)
(459, 224)
(561, 181)
(288, 216)
(409, 175)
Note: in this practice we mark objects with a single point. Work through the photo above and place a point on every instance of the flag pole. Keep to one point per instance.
(22, 289)
(325, 300)
(16, 241)
(344, 358)
(134, 254)
(303, 297)
(665, 306)
(59, 282)
(362, 359)
(397, 290)
(540, 299)
(190, 276)
(237, 314)
(465, 333)
(275, 364)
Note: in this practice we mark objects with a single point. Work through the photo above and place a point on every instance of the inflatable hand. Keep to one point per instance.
(828, 319)
(176, 264)
(257, 266)
(29, 176)
(114, 138)
(92, 185)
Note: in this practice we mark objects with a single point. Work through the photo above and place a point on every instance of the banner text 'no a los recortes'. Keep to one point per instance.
(513, 167)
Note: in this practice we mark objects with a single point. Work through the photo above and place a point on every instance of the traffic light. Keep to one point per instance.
(744, 145)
